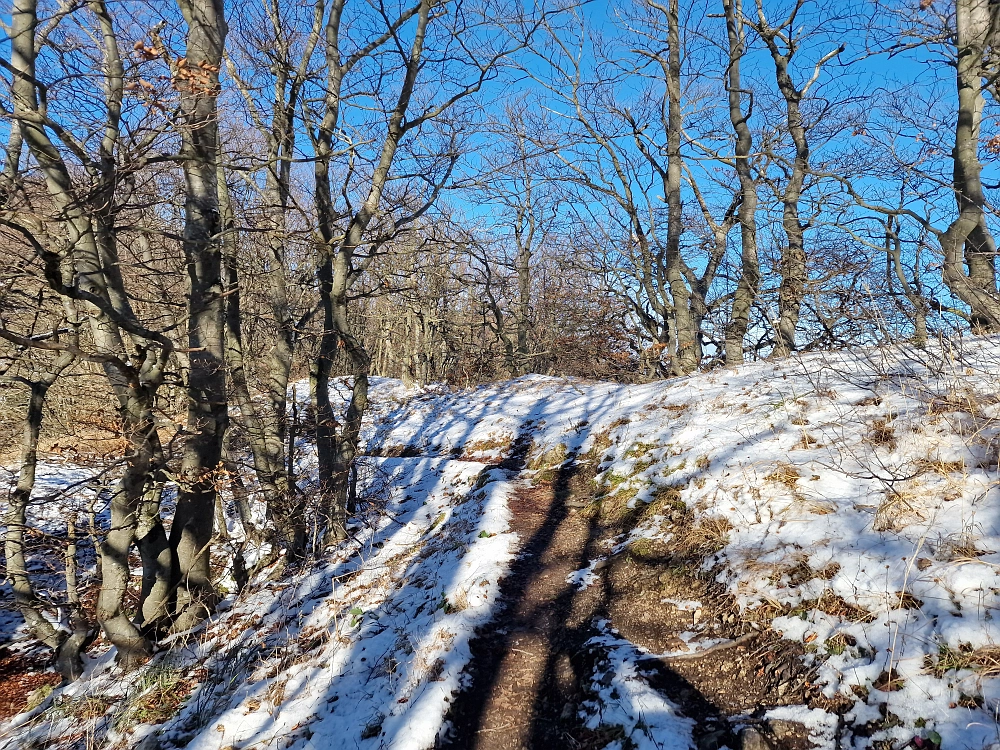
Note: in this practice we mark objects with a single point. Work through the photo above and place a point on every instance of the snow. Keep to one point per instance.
(621, 696)
(821, 725)
(586, 577)
(861, 492)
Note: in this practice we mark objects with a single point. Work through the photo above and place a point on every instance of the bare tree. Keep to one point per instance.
(746, 289)
(783, 41)
(77, 247)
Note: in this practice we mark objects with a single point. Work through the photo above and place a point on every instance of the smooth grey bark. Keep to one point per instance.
(794, 273)
(90, 274)
(746, 288)
(266, 426)
(522, 267)
(191, 530)
(700, 285)
(913, 292)
(336, 440)
(67, 644)
(975, 283)
(688, 334)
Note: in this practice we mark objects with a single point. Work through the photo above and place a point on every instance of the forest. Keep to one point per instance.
(230, 230)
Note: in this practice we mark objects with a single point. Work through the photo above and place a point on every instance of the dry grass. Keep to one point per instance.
(898, 507)
(601, 443)
(501, 443)
(90, 707)
(807, 442)
(162, 703)
(904, 600)
(819, 507)
(784, 473)
(960, 548)
(640, 449)
(828, 602)
(613, 509)
(547, 461)
(957, 400)
(983, 661)
(881, 433)
(275, 693)
(938, 466)
(706, 537)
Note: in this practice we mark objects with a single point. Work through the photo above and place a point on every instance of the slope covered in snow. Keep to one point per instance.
(851, 497)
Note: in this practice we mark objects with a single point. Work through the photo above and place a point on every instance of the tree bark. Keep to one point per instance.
(191, 531)
(688, 335)
(976, 287)
(336, 442)
(15, 520)
(746, 288)
(91, 273)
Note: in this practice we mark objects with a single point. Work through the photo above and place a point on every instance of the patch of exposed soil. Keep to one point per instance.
(532, 666)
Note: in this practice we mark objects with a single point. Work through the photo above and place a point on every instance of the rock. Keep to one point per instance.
(713, 740)
(785, 730)
(789, 735)
(149, 742)
(751, 738)
(601, 564)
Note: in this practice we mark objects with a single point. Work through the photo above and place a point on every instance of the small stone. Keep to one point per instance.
(785, 730)
(713, 740)
(752, 739)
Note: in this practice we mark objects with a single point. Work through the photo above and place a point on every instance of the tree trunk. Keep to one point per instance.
(336, 448)
(688, 335)
(264, 431)
(92, 271)
(522, 359)
(976, 287)
(191, 531)
(15, 520)
(746, 288)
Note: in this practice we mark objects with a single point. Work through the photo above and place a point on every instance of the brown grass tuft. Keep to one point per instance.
(785, 474)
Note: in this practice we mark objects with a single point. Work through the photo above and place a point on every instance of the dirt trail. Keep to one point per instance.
(533, 667)
(530, 667)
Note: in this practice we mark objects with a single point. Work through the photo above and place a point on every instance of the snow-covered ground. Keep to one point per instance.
(859, 490)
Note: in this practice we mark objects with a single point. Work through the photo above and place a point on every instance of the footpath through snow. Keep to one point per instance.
(845, 501)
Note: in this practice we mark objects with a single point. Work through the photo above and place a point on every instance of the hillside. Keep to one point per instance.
(803, 551)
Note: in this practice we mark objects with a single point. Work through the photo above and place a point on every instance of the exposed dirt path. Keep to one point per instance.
(530, 667)
(533, 667)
